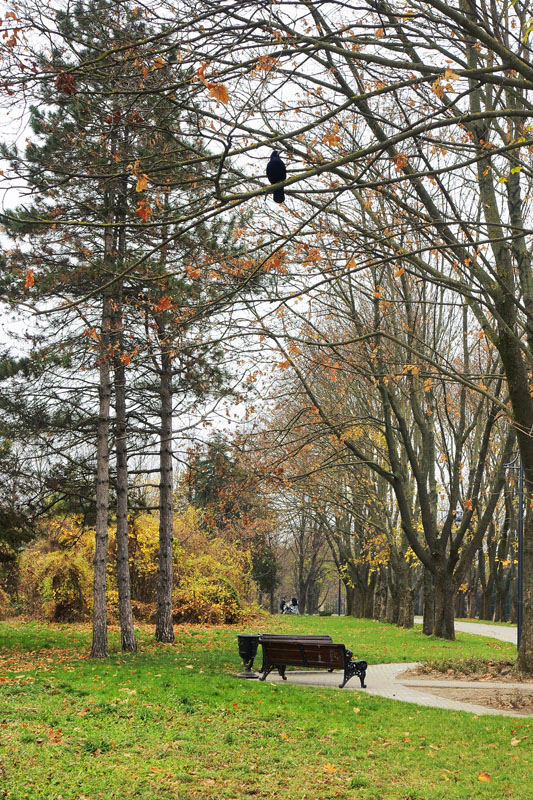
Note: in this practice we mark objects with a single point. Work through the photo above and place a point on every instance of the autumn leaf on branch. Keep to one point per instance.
(192, 272)
(216, 90)
(219, 92)
(164, 304)
(400, 161)
(332, 138)
(200, 72)
(142, 183)
(265, 63)
(143, 210)
(65, 83)
(30, 279)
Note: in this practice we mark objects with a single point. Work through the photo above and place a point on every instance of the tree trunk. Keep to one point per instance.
(351, 604)
(525, 653)
(313, 598)
(127, 633)
(391, 613)
(499, 607)
(444, 606)
(428, 603)
(99, 642)
(380, 601)
(472, 610)
(367, 599)
(486, 600)
(164, 631)
(405, 596)
(460, 605)
(406, 607)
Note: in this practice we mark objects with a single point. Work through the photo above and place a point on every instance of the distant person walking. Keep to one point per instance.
(282, 606)
(294, 606)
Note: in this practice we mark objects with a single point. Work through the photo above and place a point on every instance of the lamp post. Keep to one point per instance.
(520, 533)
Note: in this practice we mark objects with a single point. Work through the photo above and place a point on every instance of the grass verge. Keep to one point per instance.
(173, 721)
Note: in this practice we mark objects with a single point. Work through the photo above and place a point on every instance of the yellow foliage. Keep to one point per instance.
(212, 575)
(6, 609)
(56, 580)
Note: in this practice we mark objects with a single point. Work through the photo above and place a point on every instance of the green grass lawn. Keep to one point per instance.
(176, 722)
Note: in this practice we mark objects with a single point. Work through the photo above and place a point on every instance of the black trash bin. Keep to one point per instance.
(248, 644)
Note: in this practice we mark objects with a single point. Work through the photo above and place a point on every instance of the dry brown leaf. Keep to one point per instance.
(219, 92)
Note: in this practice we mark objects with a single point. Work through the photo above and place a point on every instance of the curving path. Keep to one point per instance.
(501, 632)
(385, 680)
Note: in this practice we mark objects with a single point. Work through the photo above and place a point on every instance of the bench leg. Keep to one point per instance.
(354, 668)
(266, 671)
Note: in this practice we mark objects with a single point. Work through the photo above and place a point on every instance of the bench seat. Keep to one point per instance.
(281, 651)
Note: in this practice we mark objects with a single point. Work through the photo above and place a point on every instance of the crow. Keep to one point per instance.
(276, 172)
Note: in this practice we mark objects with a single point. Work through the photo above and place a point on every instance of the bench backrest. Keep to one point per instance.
(305, 653)
(282, 637)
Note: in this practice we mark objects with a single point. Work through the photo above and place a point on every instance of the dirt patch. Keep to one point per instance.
(508, 690)
(492, 672)
(517, 700)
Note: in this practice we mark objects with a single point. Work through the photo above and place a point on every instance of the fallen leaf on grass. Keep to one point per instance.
(329, 768)
(483, 776)
(356, 710)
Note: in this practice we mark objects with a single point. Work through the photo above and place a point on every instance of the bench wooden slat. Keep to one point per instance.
(308, 652)
(292, 637)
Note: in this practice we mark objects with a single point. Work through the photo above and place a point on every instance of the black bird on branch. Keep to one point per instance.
(276, 172)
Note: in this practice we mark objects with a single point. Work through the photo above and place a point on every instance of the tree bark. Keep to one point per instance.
(99, 641)
(391, 612)
(351, 604)
(164, 631)
(428, 603)
(127, 633)
(406, 608)
(525, 653)
(444, 606)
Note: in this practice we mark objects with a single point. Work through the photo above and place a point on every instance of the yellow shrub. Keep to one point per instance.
(212, 576)
(6, 609)
(56, 584)
(204, 592)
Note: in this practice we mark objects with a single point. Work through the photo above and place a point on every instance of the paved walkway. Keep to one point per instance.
(501, 632)
(385, 680)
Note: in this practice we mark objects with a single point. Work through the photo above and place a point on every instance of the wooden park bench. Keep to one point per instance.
(315, 652)
(294, 637)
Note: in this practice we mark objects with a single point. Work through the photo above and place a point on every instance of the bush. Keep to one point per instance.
(204, 596)
(55, 584)
(6, 609)
(212, 575)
